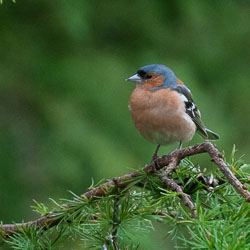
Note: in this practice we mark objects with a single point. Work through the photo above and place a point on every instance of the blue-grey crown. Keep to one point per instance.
(170, 80)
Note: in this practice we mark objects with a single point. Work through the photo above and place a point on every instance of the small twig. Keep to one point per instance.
(45, 222)
(169, 161)
(115, 223)
(172, 185)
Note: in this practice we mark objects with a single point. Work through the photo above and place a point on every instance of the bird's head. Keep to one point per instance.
(154, 75)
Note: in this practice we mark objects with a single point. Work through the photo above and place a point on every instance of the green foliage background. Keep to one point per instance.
(63, 98)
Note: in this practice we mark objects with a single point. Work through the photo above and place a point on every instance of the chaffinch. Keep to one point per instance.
(162, 108)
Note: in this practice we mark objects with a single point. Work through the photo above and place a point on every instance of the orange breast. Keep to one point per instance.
(160, 116)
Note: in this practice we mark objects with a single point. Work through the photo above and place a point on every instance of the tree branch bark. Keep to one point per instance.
(169, 162)
(172, 185)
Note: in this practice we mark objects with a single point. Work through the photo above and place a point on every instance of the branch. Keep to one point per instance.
(171, 184)
(169, 162)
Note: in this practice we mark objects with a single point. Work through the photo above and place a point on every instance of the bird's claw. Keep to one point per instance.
(155, 164)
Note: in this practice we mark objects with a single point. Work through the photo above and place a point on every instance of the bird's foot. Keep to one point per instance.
(154, 163)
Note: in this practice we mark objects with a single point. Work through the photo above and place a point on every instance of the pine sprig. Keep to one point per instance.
(123, 208)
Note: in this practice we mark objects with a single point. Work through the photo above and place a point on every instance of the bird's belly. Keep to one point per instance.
(164, 126)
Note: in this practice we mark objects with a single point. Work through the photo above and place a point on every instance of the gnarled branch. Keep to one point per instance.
(169, 162)
(172, 185)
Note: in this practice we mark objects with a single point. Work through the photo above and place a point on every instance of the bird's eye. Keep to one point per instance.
(148, 76)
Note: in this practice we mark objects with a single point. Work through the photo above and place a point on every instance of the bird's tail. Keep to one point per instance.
(212, 135)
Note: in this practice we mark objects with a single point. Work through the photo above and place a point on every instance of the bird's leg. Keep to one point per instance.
(180, 147)
(155, 158)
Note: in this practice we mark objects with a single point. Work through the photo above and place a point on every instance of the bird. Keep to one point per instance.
(163, 110)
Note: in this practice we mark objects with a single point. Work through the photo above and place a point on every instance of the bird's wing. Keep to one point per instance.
(192, 110)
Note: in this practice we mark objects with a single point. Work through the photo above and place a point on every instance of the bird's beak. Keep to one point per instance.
(134, 78)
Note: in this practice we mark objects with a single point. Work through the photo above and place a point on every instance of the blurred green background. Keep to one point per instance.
(63, 98)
